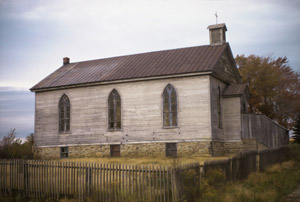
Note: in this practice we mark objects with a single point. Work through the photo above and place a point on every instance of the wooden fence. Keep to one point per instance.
(101, 182)
(110, 182)
(271, 156)
(240, 166)
(264, 130)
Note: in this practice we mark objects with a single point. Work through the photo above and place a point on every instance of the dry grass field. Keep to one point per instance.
(145, 160)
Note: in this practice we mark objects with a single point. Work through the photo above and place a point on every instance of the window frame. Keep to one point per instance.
(65, 119)
(169, 93)
(112, 151)
(117, 123)
(64, 152)
(171, 152)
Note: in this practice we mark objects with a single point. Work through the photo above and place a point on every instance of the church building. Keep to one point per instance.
(186, 101)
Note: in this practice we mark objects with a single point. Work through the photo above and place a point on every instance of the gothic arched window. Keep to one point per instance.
(219, 109)
(64, 114)
(114, 110)
(170, 106)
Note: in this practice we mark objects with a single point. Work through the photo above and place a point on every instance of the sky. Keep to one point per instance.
(36, 34)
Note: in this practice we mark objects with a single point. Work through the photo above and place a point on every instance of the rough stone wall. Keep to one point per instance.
(47, 152)
(230, 148)
(127, 150)
(202, 148)
(140, 150)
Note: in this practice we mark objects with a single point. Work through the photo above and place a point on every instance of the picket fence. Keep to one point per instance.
(111, 182)
(101, 182)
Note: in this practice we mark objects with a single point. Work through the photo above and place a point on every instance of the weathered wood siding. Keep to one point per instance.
(232, 118)
(264, 130)
(142, 119)
(217, 132)
(225, 70)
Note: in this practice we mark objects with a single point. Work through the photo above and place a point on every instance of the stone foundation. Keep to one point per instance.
(231, 148)
(202, 148)
(158, 149)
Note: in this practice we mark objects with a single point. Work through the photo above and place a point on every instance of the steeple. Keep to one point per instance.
(217, 34)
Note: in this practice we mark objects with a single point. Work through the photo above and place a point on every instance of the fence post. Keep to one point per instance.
(88, 179)
(26, 179)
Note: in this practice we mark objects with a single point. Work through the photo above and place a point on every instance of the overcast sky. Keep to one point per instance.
(36, 34)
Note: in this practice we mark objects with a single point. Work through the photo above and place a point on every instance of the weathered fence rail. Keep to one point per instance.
(264, 130)
(101, 182)
(240, 166)
(111, 182)
(104, 182)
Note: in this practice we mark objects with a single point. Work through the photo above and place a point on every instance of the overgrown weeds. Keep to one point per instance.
(272, 185)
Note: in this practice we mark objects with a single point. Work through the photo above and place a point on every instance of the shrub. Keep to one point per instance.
(13, 148)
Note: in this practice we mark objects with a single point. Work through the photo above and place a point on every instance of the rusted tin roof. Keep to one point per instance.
(152, 64)
(236, 90)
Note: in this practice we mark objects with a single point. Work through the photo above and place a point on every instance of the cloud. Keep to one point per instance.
(35, 34)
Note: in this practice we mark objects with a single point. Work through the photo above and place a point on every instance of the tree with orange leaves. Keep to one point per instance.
(274, 87)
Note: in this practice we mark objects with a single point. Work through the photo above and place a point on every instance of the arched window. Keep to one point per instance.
(219, 109)
(114, 110)
(170, 106)
(64, 114)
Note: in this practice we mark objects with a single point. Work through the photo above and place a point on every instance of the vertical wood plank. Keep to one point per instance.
(97, 183)
(150, 182)
(38, 178)
(54, 176)
(34, 178)
(65, 168)
(74, 180)
(123, 183)
(57, 179)
(164, 181)
(62, 185)
(51, 179)
(88, 179)
(139, 182)
(93, 180)
(120, 182)
(107, 182)
(100, 183)
(75, 187)
(42, 178)
(126, 179)
(168, 194)
(142, 184)
(46, 179)
(79, 181)
(160, 184)
(110, 182)
(133, 182)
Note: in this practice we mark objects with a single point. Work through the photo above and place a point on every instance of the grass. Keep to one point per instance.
(271, 186)
(164, 161)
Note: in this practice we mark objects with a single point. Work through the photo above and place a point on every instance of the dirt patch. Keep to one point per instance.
(294, 196)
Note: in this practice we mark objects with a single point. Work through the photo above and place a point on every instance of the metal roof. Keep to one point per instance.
(235, 90)
(152, 64)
